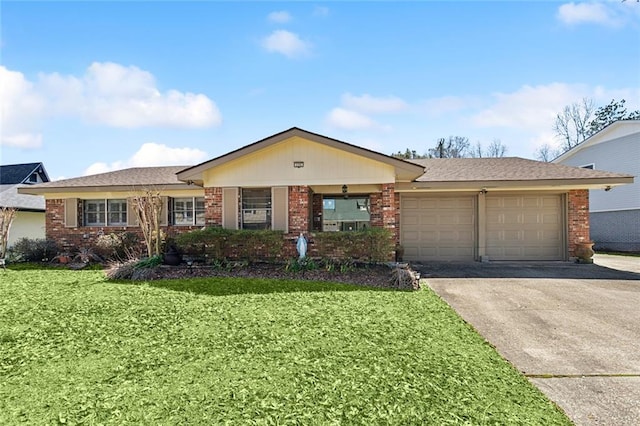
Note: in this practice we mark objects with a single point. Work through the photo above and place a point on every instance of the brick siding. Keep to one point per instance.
(213, 206)
(578, 218)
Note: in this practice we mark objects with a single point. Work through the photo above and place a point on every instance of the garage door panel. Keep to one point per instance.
(524, 227)
(438, 228)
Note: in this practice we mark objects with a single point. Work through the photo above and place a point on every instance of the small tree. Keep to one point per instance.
(148, 207)
(7, 214)
(572, 124)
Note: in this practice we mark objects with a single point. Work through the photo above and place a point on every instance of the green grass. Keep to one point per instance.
(76, 349)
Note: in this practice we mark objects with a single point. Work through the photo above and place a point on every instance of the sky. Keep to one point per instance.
(90, 87)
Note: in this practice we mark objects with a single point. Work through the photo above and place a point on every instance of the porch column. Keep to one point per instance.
(213, 206)
(299, 209)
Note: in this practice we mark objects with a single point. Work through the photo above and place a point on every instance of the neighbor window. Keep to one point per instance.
(105, 212)
(345, 214)
(256, 208)
(188, 211)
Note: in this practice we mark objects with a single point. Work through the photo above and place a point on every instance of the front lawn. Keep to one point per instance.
(77, 349)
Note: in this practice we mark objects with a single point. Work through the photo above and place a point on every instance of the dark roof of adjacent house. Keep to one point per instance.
(11, 174)
(503, 170)
(127, 179)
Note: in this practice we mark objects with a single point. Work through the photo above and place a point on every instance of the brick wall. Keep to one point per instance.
(299, 209)
(213, 206)
(73, 238)
(578, 218)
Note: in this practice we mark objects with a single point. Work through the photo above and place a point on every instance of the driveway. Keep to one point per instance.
(572, 329)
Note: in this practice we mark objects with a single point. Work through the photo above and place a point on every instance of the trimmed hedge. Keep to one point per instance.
(217, 243)
(370, 245)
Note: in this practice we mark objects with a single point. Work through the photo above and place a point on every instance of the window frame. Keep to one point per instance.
(337, 225)
(197, 210)
(104, 211)
(267, 224)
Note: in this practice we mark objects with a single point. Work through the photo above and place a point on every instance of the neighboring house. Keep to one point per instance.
(301, 182)
(29, 221)
(614, 214)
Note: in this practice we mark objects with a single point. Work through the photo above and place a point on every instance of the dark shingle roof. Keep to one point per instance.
(502, 169)
(12, 174)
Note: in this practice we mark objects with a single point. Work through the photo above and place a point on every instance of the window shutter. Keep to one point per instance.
(132, 218)
(230, 208)
(71, 212)
(280, 208)
(164, 211)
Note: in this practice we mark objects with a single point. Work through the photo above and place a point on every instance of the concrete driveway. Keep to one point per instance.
(572, 329)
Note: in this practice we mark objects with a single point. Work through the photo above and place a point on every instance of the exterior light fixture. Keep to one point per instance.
(345, 189)
(298, 164)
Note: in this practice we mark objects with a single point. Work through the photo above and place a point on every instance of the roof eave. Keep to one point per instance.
(543, 184)
(34, 190)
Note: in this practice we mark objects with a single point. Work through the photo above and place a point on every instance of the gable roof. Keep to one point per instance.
(120, 180)
(11, 174)
(405, 170)
(614, 130)
(510, 172)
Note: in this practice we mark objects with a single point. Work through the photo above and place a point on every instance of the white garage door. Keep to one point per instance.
(437, 228)
(524, 227)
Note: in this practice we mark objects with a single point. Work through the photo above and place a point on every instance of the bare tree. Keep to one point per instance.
(148, 207)
(495, 149)
(572, 124)
(7, 214)
(454, 147)
(546, 153)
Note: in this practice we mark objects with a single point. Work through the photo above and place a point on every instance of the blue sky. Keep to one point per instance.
(88, 87)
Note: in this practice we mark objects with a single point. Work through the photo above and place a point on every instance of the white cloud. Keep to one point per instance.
(279, 17)
(530, 107)
(350, 120)
(21, 109)
(107, 93)
(370, 104)
(608, 14)
(353, 114)
(286, 43)
(152, 154)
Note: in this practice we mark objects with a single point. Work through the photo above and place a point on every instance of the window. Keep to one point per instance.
(105, 212)
(188, 211)
(345, 214)
(256, 208)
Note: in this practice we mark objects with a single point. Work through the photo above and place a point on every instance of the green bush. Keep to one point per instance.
(33, 250)
(370, 245)
(218, 243)
(120, 246)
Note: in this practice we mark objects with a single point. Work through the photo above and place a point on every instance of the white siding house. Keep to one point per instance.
(614, 214)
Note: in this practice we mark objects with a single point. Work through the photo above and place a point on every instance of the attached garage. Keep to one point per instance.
(438, 228)
(525, 227)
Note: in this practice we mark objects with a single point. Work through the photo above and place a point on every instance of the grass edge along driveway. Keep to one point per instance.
(75, 348)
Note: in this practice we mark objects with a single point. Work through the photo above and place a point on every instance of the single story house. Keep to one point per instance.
(302, 182)
(29, 221)
(614, 215)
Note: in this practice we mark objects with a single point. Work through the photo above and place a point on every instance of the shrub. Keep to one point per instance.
(218, 243)
(370, 245)
(133, 269)
(119, 246)
(33, 250)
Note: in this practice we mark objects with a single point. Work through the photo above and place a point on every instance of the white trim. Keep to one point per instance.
(614, 210)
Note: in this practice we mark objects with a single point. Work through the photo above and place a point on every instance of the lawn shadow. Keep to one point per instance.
(557, 270)
(224, 286)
